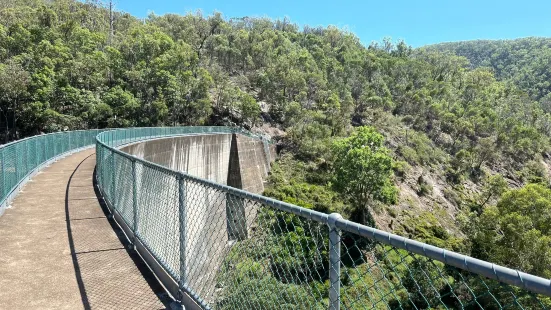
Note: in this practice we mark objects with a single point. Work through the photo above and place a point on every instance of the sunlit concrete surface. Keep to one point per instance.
(58, 250)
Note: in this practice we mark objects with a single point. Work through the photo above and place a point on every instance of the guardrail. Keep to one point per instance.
(253, 252)
(19, 160)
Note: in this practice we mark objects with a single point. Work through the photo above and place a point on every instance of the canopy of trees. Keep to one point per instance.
(517, 231)
(525, 62)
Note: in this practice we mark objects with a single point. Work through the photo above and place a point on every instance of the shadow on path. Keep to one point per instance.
(109, 275)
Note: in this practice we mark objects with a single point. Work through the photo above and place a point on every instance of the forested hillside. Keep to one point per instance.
(525, 62)
(421, 142)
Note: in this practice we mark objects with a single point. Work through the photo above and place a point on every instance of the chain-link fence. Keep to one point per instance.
(230, 249)
(20, 159)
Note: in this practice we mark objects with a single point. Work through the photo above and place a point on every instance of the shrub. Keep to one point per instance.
(423, 187)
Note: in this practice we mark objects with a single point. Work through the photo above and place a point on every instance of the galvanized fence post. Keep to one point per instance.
(55, 144)
(134, 204)
(334, 262)
(44, 146)
(15, 161)
(26, 156)
(35, 155)
(182, 224)
(113, 182)
(4, 190)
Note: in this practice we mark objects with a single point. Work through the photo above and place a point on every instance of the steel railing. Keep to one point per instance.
(19, 160)
(227, 248)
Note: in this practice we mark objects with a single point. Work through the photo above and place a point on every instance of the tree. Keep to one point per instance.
(123, 105)
(14, 81)
(517, 231)
(494, 186)
(249, 109)
(363, 170)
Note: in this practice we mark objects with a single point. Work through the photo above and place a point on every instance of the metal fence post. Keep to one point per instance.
(15, 161)
(134, 204)
(26, 156)
(182, 222)
(44, 146)
(334, 262)
(4, 191)
(113, 182)
(35, 155)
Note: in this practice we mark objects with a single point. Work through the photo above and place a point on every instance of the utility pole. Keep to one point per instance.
(110, 39)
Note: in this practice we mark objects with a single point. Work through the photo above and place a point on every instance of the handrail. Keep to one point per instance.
(21, 159)
(107, 147)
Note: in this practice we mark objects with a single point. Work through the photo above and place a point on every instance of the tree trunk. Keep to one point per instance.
(7, 129)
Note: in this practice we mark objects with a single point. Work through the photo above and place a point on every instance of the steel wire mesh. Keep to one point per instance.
(257, 257)
(20, 158)
(280, 262)
(379, 276)
(234, 250)
(157, 216)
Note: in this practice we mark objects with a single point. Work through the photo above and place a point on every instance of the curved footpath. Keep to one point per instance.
(58, 250)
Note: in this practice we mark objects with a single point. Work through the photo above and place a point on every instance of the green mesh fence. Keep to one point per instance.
(229, 249)
(19, 159)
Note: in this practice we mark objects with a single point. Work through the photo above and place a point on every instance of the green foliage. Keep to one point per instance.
(401, 169)
(522, 60)
(306, 195)
(122, 105)
(249, 285)
(363, 169)
(286, 260)
(493, 187)
(310, 139)
(61, 68)
(517, 231)
(423, 187)
(425, 227)
(418, 149)
(249, 109)
(534, 171)
(292, 186)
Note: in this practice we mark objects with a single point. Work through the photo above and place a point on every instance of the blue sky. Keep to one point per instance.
(418, 22)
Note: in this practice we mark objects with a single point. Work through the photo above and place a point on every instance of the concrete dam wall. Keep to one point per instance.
(213, 220)
(211, 157)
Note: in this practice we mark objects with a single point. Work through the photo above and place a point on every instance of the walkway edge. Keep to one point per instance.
(13, 193)
(185, 301)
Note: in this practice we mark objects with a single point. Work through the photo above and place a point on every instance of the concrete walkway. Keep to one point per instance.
(59, 251)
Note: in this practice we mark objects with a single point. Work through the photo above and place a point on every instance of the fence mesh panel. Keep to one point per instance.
(379, 276)
(157, 221)
(124, 179)
(20, 158)
(279, 261)
(233, 250)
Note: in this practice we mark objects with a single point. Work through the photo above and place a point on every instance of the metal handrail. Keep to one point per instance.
(337, 224)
